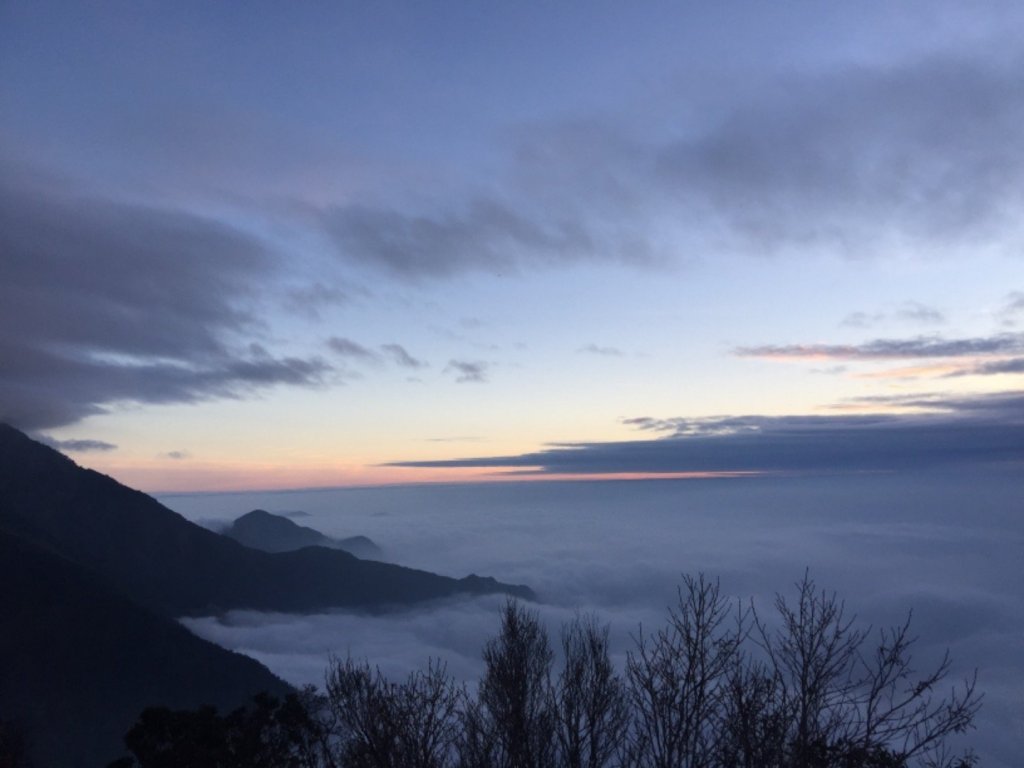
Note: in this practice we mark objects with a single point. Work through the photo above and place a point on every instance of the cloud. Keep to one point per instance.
(1003, 405)
(398, 355)
(680, 425)
(910, 311)
(920, 313)
(594, 349)
(77, 445)
(102, 302)
(649, 423)
(860, 319)
(943, 544)
(1011, 365)
(312, 299)
(259, 368)
(924, 157)
(861, 158)
(348, 348)
(177, 455)
(1013, 307)
(488, 235)
(468, 371)
(958, 431)
(891, 349)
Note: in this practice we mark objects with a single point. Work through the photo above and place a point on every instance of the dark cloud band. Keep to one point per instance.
(103, 302)
(893, 349)
(969, 431)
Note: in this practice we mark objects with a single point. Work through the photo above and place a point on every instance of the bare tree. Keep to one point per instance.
(677, 680)
(513, 720)
(845, 700)
(813, 657)
(811, 691)
(430, 705)
(478, 744)
(381, 724)
(590, 698)
(753, 726)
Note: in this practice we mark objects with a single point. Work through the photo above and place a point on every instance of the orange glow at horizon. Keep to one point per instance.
(217, 478)
(192, 477)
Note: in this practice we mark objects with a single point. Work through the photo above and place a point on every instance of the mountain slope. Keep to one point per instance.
(78, 661)
(161, 560)
(260, 529)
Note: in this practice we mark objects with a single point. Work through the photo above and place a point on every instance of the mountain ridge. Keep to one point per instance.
(263, 530)
(93, 576)
(176, 567)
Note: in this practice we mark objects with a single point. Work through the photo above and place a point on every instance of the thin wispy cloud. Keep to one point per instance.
(1012, 309)
(891, 349)
(466, 371)
(649, 423)
(909, 311)
(77, 445)
(351, 349)
(313, 299)
(861, 319)
(682, 426)
(992, 368)
(398, 355)
(488, 235)
(920, 313)
(177, 455)
(1008, 405)
(603, 351)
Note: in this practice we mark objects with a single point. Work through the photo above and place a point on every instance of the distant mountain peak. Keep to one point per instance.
(263, 530)
(175, 567)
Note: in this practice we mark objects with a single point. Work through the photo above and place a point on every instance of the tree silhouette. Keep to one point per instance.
(513, 719)
(719, 686)
(376, 723)
(590, 700)
(677, 679)
(843, 694)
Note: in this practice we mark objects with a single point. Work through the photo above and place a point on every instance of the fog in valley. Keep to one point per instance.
(944, 545)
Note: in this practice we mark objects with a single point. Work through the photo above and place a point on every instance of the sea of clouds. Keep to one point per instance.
(947, 546)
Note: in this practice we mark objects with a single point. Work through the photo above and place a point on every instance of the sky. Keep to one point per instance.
(257, 246)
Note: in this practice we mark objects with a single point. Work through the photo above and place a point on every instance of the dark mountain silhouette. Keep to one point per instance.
(174, 567)
(260, 529)
(92, 575)
(78, 661)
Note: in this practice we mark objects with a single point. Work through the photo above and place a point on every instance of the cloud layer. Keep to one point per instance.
(944, 544)
(854, 161)
(103, 302)
(892, 349)
(958, 431)
(474, 371)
